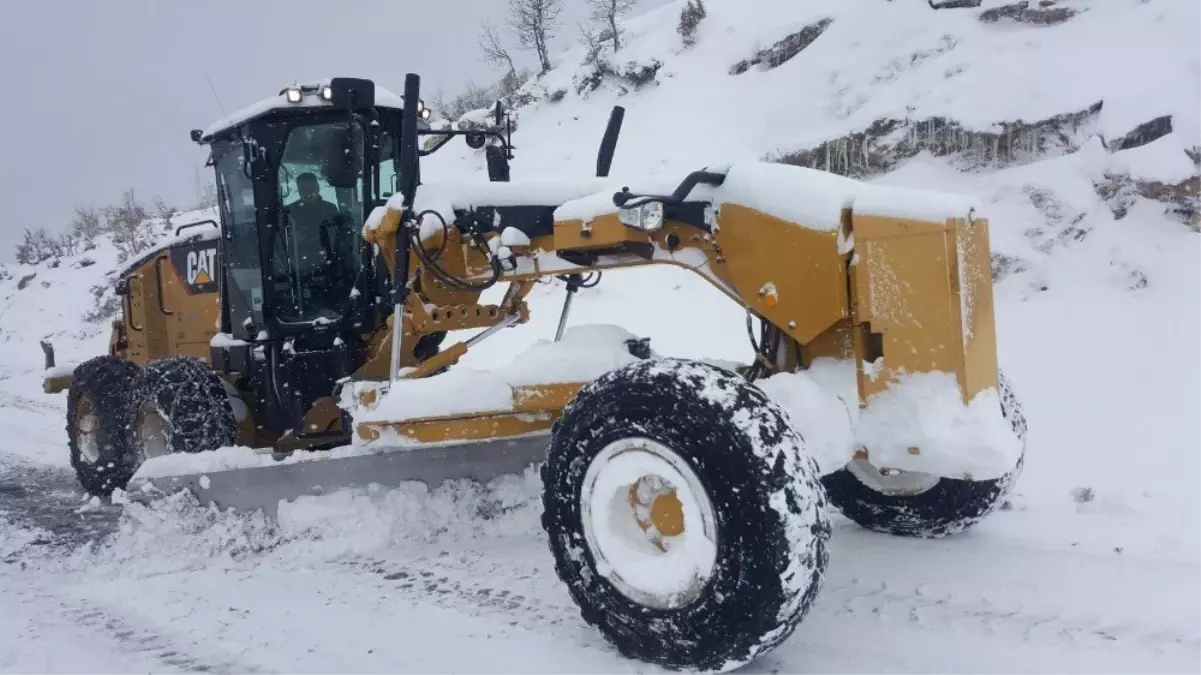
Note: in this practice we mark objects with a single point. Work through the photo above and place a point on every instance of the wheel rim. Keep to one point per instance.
(152, 432)
(87, 423)
(892, 482)
(649, 523)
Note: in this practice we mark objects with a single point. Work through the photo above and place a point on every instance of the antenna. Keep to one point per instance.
(214, 90)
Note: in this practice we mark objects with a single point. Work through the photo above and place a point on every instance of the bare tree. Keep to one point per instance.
(165, 211)
(129, 226)
(534, 23)
(495, 51)
(208, 196)
(593, 44)
(85, 224)
(607, 12)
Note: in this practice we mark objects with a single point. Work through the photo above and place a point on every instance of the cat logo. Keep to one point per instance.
(197, 266)
(200, 266)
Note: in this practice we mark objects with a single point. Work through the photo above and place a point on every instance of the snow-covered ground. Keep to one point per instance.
(1093, 566)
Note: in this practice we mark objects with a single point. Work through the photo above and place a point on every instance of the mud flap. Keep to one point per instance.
(264, 487)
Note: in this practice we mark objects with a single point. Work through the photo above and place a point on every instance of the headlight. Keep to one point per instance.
(327, 92)
(425, 114)
(293, 94)
(647, 217)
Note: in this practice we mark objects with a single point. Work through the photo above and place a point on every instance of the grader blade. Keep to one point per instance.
(264, 487)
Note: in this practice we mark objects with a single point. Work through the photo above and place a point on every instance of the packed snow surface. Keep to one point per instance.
(1093, 565)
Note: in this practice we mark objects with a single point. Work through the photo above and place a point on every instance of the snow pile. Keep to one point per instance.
(360, 521)
(818, 413)
(176, 533)
(221, 459)
(922, 411)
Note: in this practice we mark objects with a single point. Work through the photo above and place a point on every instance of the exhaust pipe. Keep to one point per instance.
(604, 158)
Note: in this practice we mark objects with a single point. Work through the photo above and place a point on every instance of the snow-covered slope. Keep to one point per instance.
(61, 300)
(1093, 565)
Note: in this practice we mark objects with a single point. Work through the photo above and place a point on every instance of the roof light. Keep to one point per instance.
(293, 94)
(327, 92)
(424, 114)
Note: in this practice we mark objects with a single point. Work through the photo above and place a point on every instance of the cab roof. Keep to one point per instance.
(311, 99)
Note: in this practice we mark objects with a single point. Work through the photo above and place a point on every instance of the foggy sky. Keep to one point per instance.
(102, 93)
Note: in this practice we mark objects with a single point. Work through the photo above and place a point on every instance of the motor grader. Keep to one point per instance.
(683, 501)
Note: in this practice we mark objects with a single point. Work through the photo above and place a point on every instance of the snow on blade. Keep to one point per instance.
(584, 353)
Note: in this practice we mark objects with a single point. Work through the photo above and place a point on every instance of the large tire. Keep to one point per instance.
(764, 501)
(193, 409)
(101, 406)
(947, 507)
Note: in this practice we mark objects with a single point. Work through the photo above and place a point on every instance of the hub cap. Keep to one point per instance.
(649, 523)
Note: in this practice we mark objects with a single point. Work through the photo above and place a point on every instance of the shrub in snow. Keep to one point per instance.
(783, 50)
(1004, 265)
(105, 303)
(1182, 200)
(129, 226)
(632, 75)
(690, 18)
(39, 246)
(1046, 14)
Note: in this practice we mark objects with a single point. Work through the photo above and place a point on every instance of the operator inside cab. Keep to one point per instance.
(315, 246)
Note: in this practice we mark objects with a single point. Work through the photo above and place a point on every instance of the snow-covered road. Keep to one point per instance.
(178, 589)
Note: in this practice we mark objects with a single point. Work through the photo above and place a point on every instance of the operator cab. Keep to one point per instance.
(297, 175)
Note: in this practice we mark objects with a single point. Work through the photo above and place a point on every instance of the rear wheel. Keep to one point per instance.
(923, 505)
(185, 409)
(683, 515)
(101, 408)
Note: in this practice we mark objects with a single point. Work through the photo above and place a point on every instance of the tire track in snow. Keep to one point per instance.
(524, 598)
(130, 638)
(48, 499)
(530, 602)
(996, 617)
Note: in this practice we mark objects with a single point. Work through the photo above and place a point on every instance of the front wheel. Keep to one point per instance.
(922, 505)
(101, 407)
(683, 515)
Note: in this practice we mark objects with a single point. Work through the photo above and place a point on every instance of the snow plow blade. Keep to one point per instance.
(264, 487)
